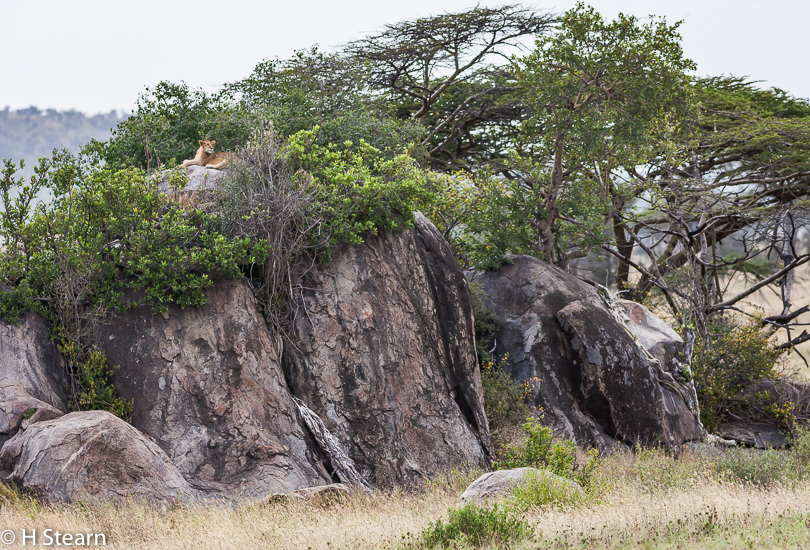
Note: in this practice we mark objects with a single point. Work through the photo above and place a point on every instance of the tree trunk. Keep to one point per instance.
(545, 223)
(625, 248)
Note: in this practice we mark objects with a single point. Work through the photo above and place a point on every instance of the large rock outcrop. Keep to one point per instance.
(599, 373)
(666, 346)
(386, 357)
(91, 454)
(32, 379)
(208, 387)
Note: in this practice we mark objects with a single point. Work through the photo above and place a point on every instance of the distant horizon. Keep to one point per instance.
(85, 113)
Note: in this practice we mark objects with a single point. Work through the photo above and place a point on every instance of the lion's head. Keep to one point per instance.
(208, 146)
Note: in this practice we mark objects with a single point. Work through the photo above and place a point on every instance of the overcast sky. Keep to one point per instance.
(97, 55)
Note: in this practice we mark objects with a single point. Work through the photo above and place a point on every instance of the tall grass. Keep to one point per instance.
(648, 499)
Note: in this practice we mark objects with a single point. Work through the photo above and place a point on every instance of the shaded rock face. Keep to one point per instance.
(754, 434)
(664, 344)
(386, 357)
(31, 375)
(592, 379)
(91, 454)
(208, 388)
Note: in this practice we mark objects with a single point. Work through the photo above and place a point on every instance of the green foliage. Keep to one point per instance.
(504, 404)
(477, 527)
(542, 452)
(14, 301)
(605, 84)
(543, 490)
(800, 444)
(95, 390)
(604, 95)
(483, 217)
(446, 71)
(360, 189)
(736, 356)
(329, 91)
(168, 122)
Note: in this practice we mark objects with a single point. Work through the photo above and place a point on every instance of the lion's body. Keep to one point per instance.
(206, 156)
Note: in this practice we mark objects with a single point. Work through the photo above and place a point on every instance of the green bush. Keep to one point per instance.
(504, 404)
(95, 390)
(541, 489)
(542, 452)
(478, 527)
(736, 356)
(359, 188)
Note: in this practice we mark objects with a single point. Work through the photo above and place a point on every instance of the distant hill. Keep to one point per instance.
(31, 133)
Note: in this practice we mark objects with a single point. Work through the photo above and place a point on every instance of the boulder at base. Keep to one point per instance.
(386, 357)
(499, 484)
(32, 378)
(594, 378)
(208, 388)
(91, 454)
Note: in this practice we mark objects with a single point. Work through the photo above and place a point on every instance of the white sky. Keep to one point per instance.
(97, 55)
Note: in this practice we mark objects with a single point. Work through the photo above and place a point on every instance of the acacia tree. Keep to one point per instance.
(448, 73)
(731, 202)
(600, 93)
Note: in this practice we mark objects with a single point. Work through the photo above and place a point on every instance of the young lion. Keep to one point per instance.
(206, 156)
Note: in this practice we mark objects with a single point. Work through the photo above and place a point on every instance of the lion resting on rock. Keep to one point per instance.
(209, 158)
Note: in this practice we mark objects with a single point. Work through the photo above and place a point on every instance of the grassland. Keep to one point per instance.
(643, 500)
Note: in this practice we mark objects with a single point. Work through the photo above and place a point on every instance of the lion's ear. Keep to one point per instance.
(213, 142)
(200, 142)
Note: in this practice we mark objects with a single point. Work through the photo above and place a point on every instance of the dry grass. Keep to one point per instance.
(655, 501)
(356, 521)
(648, 500)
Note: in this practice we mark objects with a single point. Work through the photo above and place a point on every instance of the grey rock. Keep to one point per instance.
(31, 375)
(386, 357)
(675, 377)
(91, 455)
(592, 380)
(208, 388)
(499, 484)
(754, 434)
(200, 180)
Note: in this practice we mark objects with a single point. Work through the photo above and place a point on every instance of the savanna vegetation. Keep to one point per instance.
(565, 136)
(646, 499)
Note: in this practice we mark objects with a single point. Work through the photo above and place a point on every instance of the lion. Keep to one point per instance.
(208, 157)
